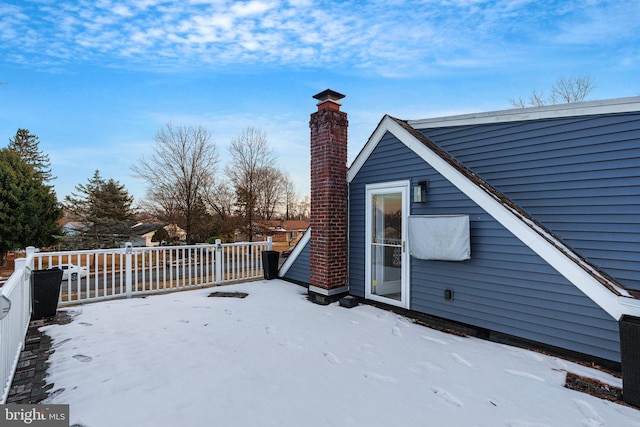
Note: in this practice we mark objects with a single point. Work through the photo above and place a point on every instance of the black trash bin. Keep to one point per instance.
(45, 292)
(270, 264)
(630, 358)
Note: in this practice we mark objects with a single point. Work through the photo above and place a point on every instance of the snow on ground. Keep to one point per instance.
(275, 359)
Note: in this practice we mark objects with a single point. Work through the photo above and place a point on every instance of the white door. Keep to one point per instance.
(386, 254)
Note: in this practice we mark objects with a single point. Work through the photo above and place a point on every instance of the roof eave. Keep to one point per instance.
(606, 106)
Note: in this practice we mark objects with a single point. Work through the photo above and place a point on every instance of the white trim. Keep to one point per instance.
(328, 292)
(607, 106)
(556, 254)
(404, 187)
(296, 251)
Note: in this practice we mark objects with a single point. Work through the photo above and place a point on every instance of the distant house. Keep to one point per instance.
(522, 223)
(288, 231)
(141, 233)
(145, 233)
(72, 228)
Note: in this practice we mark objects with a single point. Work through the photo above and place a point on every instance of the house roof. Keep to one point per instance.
(601, 288)
(297, 249)
(143, 228)
(74, 224)
(287, 225)
(606, 106)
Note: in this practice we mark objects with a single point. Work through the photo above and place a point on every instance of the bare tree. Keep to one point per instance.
(572, 89)
(179, 174)
(290, 197)
(303, 209)
(251, 157)
(220, 202)
(564, 90)
(271, 192)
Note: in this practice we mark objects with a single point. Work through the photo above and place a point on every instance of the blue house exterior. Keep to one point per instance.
(551, 201)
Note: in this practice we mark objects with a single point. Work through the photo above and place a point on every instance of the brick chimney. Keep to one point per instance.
(328, 241)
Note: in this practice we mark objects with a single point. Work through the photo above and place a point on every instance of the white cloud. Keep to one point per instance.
(253, 7)
(122, 10)
(391, 38)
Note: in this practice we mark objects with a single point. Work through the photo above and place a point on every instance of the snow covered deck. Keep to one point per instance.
(274, 358)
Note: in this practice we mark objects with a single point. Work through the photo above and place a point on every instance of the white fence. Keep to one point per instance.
(124, 272)
(95, 275)
(16, 297)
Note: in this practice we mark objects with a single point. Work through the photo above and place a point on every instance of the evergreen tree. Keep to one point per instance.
(27, 146)
(105, 209)
(29, 209)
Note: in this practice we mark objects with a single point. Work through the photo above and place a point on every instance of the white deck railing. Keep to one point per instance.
(13, 327)
(118, 273)
(124, 272)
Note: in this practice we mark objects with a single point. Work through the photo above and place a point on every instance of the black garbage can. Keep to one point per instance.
(270, 264)
(45, 292)
(630, 358)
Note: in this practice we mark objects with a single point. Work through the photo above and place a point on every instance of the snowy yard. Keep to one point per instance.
(275, 359)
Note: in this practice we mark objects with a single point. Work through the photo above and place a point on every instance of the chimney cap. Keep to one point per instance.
(328, 95)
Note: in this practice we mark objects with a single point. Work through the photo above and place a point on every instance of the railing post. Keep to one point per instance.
(218, 262)
(19, 263)
(269, 243)
(31, 250)
(25, 289)
(128, 268)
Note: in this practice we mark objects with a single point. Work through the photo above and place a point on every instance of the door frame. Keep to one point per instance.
(402, 187)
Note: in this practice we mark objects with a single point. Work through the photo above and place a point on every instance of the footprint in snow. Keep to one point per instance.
(446, 396)
(420, 365)
(331, 358)
(268, 330)
(228, 312)
(85, 323)
(525, 375)
(525, 424)
(82, 358)
(369, 349)
(461, 360)
(184, 321)
(290, 345)
(560, 364)
(396, 331)
(52, 395)
(58, 344)
(592, 417)
(379, 377)
(436, 340)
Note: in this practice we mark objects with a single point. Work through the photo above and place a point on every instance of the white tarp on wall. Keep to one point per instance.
(439, 237)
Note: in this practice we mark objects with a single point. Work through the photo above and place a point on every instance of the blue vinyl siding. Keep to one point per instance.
(577, 176)
(300, 270)
(504, 287)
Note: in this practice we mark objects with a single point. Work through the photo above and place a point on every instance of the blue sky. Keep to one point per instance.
(96, 79)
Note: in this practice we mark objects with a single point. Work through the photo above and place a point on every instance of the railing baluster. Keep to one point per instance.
(150, 270)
